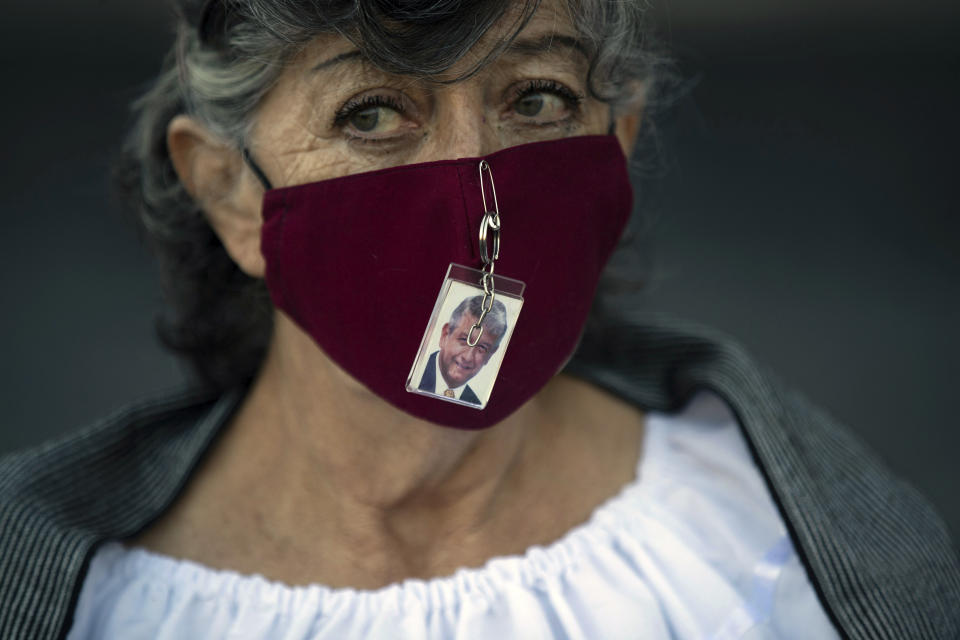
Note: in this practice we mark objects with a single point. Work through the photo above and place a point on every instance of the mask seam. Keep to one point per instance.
(466, 210)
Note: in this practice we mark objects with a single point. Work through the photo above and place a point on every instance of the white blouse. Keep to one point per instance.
(693, 548)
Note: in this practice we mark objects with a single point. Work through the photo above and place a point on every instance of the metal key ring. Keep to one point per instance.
(490, 221)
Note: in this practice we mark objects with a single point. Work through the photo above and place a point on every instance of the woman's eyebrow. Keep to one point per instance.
(526, 47)
(547, 43)
(343, 57)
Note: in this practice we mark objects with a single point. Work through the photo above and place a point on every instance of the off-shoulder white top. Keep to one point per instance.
(692, 548)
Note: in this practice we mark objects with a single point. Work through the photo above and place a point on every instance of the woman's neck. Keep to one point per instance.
(318, 480)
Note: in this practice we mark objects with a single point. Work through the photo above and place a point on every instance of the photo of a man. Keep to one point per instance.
(455, 363)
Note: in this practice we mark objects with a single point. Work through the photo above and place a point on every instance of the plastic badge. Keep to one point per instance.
(446, 366)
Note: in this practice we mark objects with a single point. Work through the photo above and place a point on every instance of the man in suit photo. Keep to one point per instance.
(455, 362)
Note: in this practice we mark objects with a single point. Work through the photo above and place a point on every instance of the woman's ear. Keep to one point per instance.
(630, 119)
(628, 126)
(212, 172)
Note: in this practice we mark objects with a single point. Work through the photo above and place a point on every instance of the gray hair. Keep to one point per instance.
(495, 321)
(223, 64)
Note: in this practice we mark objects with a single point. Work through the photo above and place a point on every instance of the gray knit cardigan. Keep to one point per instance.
(879, 558)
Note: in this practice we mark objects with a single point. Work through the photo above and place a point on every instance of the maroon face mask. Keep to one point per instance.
(357, 261)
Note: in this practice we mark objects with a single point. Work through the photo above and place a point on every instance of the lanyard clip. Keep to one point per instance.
(491, 219)
(490, 224)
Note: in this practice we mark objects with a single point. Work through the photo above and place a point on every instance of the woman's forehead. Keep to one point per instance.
(548, 35)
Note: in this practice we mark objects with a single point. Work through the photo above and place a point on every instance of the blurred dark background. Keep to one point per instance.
(808, 206)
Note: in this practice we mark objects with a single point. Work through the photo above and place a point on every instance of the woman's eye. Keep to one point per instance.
(546, 102)
(376, 119)
(542, 105)
(530, 105)
(376, 116)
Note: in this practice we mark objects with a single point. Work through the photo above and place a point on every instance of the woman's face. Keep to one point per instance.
(333, 114)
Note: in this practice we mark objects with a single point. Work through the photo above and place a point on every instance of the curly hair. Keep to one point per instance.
(227, 58)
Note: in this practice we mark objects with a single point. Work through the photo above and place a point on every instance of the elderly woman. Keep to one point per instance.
(349, 199)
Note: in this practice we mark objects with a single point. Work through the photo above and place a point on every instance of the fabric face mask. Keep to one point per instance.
(357, 263)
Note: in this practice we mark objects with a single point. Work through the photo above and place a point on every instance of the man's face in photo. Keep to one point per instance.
(459, 361)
